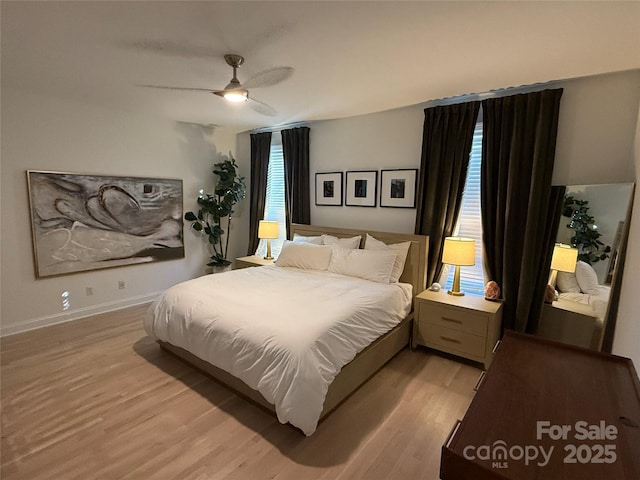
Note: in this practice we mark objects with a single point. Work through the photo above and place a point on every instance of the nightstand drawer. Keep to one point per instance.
(455, 319)
(452, 341)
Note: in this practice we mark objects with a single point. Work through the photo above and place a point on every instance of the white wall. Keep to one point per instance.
(596, 129)
(391, 139)
(44, 133)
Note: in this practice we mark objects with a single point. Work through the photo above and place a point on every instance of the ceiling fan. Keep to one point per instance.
(237, 92)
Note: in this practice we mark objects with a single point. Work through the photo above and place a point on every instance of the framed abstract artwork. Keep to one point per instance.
(361, 188)
(87, 222)
(398, 188)
(329, 188)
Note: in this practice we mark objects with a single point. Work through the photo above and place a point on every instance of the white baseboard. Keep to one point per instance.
(76, 314)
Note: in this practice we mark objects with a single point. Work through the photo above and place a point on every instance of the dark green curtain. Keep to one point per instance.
(295, 149)
(260, 149)
(518, 150)
(447, 137)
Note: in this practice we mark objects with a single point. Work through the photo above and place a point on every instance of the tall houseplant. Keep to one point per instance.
(586, 234)
(216, 207)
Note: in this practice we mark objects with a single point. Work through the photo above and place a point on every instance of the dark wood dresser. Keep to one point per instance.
(549, 411)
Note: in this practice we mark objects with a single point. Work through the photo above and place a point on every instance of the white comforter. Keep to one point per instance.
(285, 332)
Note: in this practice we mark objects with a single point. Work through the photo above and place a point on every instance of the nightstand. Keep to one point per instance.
(467, 326)
(251, 261)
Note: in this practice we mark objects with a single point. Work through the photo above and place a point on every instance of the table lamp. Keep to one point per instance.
(564, 260)
(268, 230)
(458, 251)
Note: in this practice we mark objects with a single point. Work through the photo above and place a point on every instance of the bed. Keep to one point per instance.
(338, 330)
(580, 293)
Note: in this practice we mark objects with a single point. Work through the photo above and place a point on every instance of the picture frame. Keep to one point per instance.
(329, 189)
(398, 187)
(361, 189)
(83, 222)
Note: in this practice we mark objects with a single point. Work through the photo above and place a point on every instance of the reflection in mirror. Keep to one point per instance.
(594, 219)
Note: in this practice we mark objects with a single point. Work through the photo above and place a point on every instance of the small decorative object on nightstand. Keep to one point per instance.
(251, 261)
(492, 291)
(466, 326)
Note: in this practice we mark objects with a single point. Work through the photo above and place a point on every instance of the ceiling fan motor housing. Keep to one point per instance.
(234, 60)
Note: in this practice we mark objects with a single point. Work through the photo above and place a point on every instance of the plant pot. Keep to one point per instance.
(218, 269)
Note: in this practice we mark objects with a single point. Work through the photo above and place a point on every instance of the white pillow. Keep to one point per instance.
(368, 264)
(302, 239)
(353, 242)
(304, 255)
(587, 278)
(400, 249)
(567, 282)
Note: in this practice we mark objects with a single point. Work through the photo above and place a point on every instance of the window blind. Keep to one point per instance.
(469, 223)
(274, 208)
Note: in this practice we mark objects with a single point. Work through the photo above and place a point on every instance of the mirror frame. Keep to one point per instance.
(605, 342)
(611, 317)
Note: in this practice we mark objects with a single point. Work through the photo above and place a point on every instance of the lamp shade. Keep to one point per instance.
(267, 229)
(459, 251)
(564, 258)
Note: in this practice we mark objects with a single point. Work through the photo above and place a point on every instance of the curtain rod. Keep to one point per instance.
(499, 92)
(278, 128)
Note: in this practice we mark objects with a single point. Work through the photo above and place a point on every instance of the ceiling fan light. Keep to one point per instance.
(236, 96)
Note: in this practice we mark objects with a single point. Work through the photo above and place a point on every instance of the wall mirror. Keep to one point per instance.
(594, 219)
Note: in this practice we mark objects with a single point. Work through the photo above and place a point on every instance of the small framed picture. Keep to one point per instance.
(398, 188)
(329, 188)
(361, 189)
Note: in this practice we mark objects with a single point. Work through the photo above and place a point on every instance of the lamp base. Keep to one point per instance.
(456, 283)
(268, 255)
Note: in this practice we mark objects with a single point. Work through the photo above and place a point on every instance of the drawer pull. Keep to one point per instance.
(452, 433)
(447, 339)
(495, 347)
(480, 380)
(452, 320)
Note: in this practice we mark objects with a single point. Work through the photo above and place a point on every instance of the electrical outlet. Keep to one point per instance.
(89, 291)
(120, 284)
(66, 300)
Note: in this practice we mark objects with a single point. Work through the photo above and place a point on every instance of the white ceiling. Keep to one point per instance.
(350, 58)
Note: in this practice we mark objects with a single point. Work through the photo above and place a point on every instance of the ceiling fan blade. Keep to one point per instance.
(261, 107)
(269, 77)
(188, 89)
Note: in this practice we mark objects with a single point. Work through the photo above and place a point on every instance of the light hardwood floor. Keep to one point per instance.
(97, 399)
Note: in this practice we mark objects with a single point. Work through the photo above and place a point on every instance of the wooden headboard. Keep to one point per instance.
(414, 272)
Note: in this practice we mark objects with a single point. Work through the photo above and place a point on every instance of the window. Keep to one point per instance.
(274, 208)
(470, 223)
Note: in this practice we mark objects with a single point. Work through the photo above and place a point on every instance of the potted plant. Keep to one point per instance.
(215, 208)
(586, 236)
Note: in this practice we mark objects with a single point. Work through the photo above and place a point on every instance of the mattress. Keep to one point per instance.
(285, 332)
